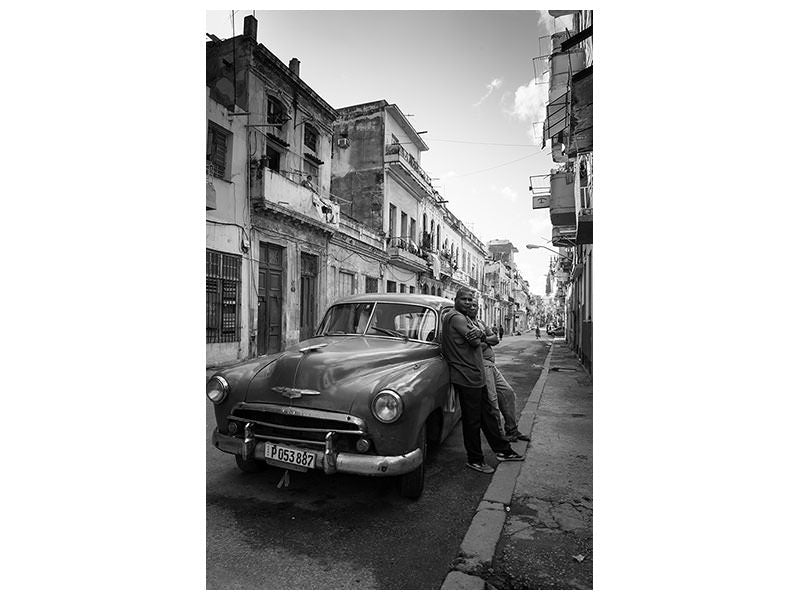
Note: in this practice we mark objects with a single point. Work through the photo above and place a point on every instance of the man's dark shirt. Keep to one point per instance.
(465, 360)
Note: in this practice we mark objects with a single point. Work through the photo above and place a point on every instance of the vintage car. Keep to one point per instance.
(365, 395)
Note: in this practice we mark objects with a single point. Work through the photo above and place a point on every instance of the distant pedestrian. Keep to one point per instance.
(500, 331)
(461, 346)
(538, 333)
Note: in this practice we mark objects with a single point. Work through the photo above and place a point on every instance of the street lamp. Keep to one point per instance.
(534, 246)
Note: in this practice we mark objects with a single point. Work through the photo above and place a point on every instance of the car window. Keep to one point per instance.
(344, 319)
(403, 320)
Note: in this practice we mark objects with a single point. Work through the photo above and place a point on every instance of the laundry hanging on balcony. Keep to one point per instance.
(436, 266)
(328, 211)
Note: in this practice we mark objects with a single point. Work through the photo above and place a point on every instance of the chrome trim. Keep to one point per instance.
(294, 393)
(291, 428)
(330, 462)
(296, 411)
(396, 397)
(225, 389)
(313, 347)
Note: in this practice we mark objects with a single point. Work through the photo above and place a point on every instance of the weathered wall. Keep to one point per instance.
(220, 70)
(228, 234)
(293, 239)
(357, 173)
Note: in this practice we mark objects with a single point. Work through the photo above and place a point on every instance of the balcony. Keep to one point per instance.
(460, 277)
(562, 199)
(584, 235)
(404, 253)
(407, 169)
(564, 236)
(280, 194)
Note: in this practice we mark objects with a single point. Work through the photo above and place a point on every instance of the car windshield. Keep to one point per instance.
(407, 321)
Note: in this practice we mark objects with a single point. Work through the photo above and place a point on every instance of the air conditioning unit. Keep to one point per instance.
(343, 143)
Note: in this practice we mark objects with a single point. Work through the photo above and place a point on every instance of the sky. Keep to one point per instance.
(465, 77)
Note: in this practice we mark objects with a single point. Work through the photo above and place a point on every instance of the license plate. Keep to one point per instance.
(289, 455)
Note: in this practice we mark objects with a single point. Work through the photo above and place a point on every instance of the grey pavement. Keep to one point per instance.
(533, 528)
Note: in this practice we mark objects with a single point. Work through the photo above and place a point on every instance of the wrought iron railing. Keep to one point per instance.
(399, 150)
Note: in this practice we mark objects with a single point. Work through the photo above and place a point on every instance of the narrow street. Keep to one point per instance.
(347, 532)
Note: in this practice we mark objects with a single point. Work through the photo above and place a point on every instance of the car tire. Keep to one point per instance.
(250, 465)
(412, 483)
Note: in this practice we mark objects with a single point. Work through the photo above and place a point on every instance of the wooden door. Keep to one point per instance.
(270, 299)
(308, 294)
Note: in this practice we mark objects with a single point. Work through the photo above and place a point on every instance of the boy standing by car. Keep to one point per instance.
(461, 346)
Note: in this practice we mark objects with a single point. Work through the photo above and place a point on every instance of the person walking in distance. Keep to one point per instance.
(500, 330)
(461, 346)
(501, 395)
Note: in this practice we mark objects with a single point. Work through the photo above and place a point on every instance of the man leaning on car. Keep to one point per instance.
(461, 346)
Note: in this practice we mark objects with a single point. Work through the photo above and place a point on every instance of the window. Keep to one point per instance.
(218, 151)
(392, 219)
(403, 224)
(347, 283)
(391, 286)
(311, 172)
(402, 288)
(346, 319)
(412, 229)
(371, 285)
(276, 113)
(310, 137)
(411, 289)
(403, 320)
(223, 296)
(273, 159)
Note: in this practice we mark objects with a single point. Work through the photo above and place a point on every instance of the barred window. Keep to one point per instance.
(223, 296)
(217, 151)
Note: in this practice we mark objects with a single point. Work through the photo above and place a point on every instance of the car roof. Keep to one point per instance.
(435, 302)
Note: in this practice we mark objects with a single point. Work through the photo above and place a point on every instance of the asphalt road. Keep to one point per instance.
(348, 532)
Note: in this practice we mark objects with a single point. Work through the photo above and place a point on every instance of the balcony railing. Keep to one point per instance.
(404, 252)
(397, 149)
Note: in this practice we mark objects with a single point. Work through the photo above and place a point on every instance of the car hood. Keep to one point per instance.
(334, 372)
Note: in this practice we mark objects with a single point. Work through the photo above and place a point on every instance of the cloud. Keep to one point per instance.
(490, 87)
(448, 175)
(530, 102)
(507, 192)
(546, 21)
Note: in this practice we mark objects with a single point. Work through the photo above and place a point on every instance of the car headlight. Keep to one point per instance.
(217, 389)
(387, 406)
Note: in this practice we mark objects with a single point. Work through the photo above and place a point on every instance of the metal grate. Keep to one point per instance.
(218, 150)
(223, 296)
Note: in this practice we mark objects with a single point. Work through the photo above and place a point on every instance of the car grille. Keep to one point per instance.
(310, 429)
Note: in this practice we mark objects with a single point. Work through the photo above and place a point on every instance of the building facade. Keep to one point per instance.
(283, 190)
(568, 127)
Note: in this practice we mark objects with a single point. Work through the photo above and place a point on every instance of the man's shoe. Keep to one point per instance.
(508, 456)
(481, 467)
(521, 438)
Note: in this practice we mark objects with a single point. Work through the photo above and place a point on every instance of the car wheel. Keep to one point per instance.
(412, 483)
(250, 465)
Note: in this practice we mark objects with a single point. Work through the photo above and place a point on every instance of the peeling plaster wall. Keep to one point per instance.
(357, 175)
(231, 209)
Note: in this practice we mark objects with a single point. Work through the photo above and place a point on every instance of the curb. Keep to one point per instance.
(480, 541)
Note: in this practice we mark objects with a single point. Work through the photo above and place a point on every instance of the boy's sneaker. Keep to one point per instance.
(508, 456)
(480, 467)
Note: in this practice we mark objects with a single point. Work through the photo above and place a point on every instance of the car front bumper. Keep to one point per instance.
(328, 460)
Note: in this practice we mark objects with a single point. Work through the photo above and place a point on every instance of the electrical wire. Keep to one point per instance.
(496, 166)
(486, 143)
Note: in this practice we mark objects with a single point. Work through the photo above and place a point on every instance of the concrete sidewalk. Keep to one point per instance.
(533, 529)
